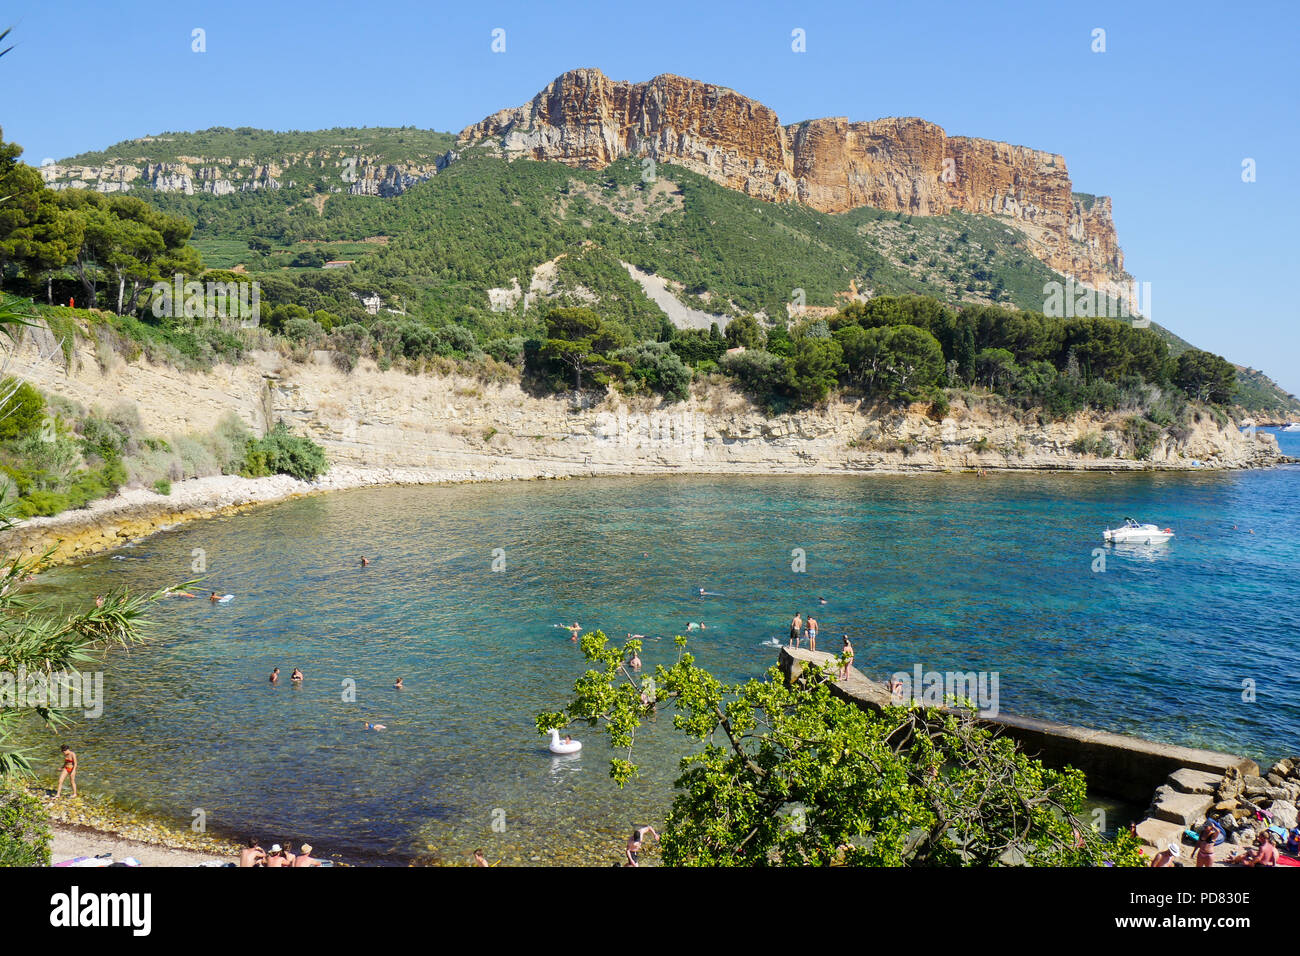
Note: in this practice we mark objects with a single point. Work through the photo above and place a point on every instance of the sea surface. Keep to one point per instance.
(1196, 642)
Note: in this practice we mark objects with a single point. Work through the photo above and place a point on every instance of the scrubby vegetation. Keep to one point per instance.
(55, 455)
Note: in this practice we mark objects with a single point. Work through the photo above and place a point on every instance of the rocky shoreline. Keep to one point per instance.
(1242, 804)
(82, 828)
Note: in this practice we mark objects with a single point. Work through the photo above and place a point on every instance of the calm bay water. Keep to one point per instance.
(953, 572)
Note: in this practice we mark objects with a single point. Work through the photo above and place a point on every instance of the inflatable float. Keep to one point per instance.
(558, 746)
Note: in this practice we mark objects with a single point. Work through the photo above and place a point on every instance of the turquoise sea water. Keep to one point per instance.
(952, 572)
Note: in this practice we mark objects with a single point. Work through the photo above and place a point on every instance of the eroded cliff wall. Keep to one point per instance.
(585, 119)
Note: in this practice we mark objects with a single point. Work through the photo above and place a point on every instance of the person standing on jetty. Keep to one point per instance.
(69, 771)
(796, 625)
(847, 652)
(812, 633)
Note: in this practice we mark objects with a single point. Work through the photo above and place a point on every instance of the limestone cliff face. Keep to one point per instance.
(584, 119)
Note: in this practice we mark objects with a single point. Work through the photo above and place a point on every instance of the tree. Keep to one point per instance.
(995, 367)
(35, 233)
(1206, 377)
(914, 362)
(578, 339)
(789, 774)
(745, 332)
(813, 369)
(865, 355)
(124, 239)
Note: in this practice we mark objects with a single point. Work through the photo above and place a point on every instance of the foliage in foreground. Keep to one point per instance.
(40, 638)
(24, 827)
(791, 775)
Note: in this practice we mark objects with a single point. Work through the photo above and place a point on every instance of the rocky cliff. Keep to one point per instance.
(907, 165)
(342, 170)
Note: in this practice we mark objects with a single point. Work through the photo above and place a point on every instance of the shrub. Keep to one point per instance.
(655, 366)
(162, 486)
(1093, 444)
(305, 333)
(757, 371)
(22, 414)
(510, 350)
(283, 453)
(454, 341)
(351, 339)
(1142, 435)
(24, 827)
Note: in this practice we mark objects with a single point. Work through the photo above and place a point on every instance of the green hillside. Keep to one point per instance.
(482, 223)
(385, 144)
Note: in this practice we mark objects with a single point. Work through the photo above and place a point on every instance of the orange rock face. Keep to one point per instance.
(908, 165)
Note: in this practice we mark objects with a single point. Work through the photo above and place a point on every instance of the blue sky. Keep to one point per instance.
(1161, 121)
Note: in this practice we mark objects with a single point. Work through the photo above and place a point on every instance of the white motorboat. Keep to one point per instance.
(1130, 532)
(1293, 427)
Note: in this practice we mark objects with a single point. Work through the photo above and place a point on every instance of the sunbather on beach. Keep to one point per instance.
(1166, 856)
(253, 854)
(305, 858)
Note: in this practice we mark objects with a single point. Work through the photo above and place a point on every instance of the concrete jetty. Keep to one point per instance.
(1116, 765)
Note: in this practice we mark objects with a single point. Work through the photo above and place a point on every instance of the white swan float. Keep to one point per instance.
(558, 746)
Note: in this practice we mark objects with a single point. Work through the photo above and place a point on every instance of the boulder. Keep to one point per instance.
(1283, 768)
(1245, 836)
(1254, 786)
(1231, 785)
(1284, 813)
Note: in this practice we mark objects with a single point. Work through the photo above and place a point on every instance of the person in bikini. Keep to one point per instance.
(69, 771)
(296, 677)
(847, 652)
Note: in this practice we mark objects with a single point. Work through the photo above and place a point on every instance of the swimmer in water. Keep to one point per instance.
(479, 858)
(821, 600)
(275, 675)
(365, 562)
(635, 662)
(398, 685)
(296, 677)
(691, 625)
(99, 600)
(180, 594)
(370, 726)
(573, 630)
(214, 597)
